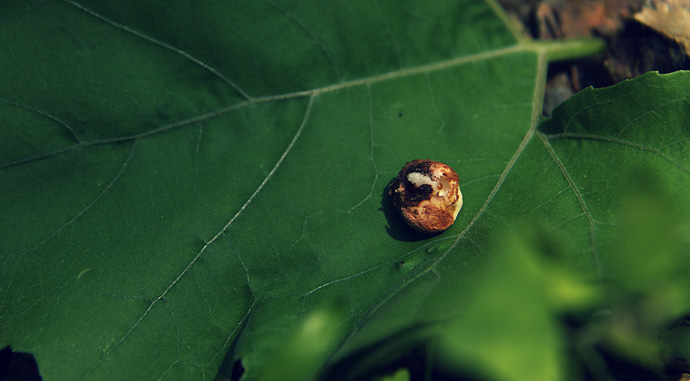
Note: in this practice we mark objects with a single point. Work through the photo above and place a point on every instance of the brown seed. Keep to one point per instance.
(427, 195)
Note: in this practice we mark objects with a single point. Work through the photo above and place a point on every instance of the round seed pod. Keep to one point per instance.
(427, 195)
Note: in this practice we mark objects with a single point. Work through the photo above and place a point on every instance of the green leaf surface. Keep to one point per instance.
(183, 180)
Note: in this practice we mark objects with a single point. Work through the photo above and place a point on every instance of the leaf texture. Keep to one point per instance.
(181, 180)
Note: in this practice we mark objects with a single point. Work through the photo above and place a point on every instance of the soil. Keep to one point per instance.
(633, 47)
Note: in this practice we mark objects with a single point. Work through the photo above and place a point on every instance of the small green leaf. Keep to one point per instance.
(302, 354)
(506, 329)
(398, 375)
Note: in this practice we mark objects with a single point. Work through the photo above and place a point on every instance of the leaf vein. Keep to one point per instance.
(371, 150)
(550, 199)
(617, 140)
(271, 98)
(162, 44)
(210, 242)
(112, 182)
(311, 36)
(45, 114)
(390, 34)
(580, 200)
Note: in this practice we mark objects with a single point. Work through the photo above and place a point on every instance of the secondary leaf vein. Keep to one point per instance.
(84, 210)
(580, 200)
(163, 45)
(272, 98)
(616, 140)
(210, 242)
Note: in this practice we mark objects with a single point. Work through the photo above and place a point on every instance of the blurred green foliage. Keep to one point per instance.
(531, 317)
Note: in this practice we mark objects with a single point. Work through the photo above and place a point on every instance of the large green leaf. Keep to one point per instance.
(181, 180)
